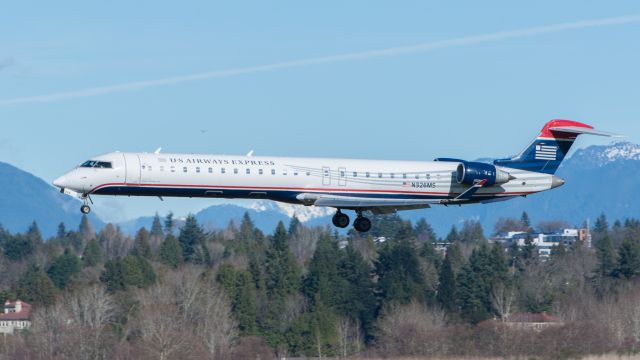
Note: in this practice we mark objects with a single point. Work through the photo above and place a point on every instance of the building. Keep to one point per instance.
(532, 321)
(546, 242)
(16, 316)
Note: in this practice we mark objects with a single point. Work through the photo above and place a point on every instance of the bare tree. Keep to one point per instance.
(502, 299)
(90, 311)
(350, 337)
(217, 327)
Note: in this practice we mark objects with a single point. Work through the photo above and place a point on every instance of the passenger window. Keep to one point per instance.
(295, 173)
(404, 176)
(380, 175)
(173, 169)
(355, 174)
(184, 169)
(197, 169)
(235, 171)
(273, 171)
(259, 171)
(248, 171)
(341, 173)
(428, 176)
(417, 176)
(391, 175)
(210, 170)
(284, 172)
(222, 170)
(367, 174)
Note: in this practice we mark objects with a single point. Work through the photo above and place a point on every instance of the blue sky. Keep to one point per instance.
(469, 101)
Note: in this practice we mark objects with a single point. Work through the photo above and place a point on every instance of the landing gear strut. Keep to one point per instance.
(85, 208)
(362, 224)
(340, 220)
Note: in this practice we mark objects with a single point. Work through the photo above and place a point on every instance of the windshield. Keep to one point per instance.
(96, 164)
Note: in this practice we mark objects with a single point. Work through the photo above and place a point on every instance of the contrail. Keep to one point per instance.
(363, 55)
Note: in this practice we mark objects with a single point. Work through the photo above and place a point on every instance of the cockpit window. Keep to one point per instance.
(96, 164)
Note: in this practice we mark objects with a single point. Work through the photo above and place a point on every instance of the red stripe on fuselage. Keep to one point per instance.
(298, 189)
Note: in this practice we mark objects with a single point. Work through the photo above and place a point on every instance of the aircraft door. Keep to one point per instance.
(132, 164)
(326, 176)
(342, 180)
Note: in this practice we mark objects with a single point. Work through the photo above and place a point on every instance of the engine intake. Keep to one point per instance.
(468, 172)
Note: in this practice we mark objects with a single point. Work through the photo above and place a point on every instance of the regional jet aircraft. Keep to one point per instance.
(345, 184)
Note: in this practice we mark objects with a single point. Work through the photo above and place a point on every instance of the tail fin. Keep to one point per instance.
(547, 151)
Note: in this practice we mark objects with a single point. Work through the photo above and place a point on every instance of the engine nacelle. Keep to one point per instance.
(468, 172)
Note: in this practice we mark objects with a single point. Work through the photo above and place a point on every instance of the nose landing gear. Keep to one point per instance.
(85, 208)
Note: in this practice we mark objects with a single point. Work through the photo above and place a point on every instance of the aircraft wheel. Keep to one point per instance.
(340, 220)
(85, 209)
(362, 224)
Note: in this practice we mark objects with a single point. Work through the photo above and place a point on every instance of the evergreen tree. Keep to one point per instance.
(294, 225)
(431, 254)
(35, 287)
(322, 280)
(282, 279)
(63, 268)
(33, 234)
(453, 236)
(469, 296)
(86, 230)
(245, 303)
(424, 232)
(628, 258)
(92, 255)
(524, 218)
(141, 244)
(471, 232)
(170, 252)
(112, 276)
(169, 224)
(605, 254)
(156, 227)
(192, 240)
(454, 252)
(400, 277)
(17, 247)
(62, 231)
(601, 225)
(358, 298)
(447, 286)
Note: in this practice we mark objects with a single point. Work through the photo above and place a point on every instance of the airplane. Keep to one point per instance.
(377, 186)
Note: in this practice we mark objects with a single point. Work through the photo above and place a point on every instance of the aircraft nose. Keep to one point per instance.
(60, 182)
(556, 181)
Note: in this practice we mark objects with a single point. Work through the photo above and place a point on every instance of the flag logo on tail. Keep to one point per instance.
(544, 152)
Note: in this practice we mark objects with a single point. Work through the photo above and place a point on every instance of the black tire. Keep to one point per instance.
(85, 209)
(362, 224)
(340, 220)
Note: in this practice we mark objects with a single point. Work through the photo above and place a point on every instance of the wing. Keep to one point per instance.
(376, 205)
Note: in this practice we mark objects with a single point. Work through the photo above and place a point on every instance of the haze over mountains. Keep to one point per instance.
(599, 179)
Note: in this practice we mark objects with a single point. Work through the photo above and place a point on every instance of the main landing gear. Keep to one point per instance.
(85, 208)
(361, 224)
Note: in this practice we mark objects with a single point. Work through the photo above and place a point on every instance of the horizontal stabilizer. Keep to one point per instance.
(582, 130)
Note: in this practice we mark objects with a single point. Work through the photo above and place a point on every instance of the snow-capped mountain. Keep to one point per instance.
(598, 156)
(303, 213)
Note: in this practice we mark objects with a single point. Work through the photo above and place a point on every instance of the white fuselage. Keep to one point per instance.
(284, 178)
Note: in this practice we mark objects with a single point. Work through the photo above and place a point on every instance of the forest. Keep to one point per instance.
(178, 290)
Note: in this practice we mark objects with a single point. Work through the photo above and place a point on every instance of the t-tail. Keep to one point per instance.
(547, 151)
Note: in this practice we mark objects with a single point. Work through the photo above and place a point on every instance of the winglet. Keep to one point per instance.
(158, 150)
(250, 153)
